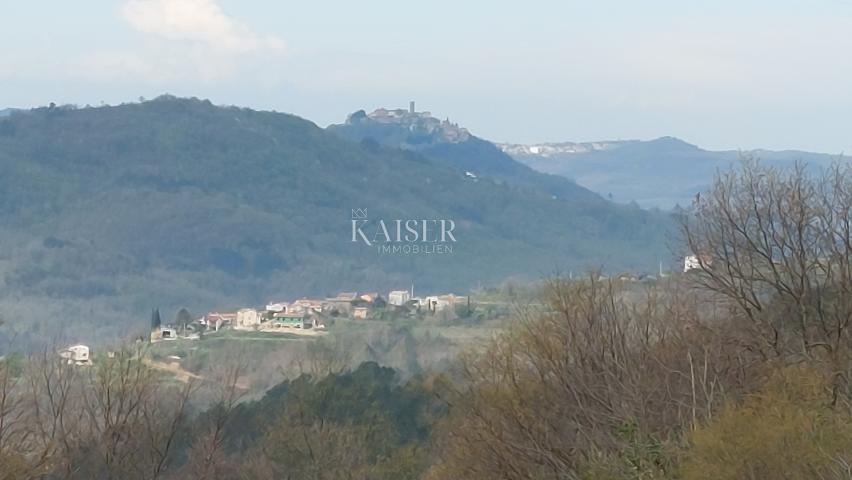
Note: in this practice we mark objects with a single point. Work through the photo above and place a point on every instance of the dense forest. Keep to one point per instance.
(738, 369)
(109, 212)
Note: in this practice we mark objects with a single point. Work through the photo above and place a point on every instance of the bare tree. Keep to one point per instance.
(777, 245)
(115, 419)
(207, 460)
(15, 433)
(598, 370)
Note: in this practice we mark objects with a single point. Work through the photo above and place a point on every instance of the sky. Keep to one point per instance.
(723, 75)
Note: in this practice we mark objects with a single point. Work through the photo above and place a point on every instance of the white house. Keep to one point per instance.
(435, 303)
(691, 262)
(163, 333)
(399, 297)
(277, 307)
(76, 355)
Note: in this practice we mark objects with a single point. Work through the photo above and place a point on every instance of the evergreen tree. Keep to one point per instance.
(183, 318)
(155, 319)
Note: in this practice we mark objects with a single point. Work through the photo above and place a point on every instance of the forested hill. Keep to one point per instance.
(449, 144)
(661, 173)
(108, 212)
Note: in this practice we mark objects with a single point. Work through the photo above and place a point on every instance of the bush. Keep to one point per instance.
(787, 431)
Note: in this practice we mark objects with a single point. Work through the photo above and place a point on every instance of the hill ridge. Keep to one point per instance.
(111, 211)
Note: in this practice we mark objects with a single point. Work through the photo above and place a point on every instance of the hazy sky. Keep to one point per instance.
(724, 74)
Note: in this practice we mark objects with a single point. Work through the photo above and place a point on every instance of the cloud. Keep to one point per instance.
(200, 21)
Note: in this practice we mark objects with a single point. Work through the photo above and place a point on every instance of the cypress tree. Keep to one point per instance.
(155, 319)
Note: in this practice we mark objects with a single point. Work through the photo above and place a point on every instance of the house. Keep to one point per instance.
(369, 297)
(276, 307)
(288, 320)
(399, 297)
(359, 312)
(312, 322)
(163, 333)
(690, 262)
(306, 305)
(302, 321)
(247, 318)
(76, 355)
(437, 303)
(215, 320)
(342, 303)
(693, 262)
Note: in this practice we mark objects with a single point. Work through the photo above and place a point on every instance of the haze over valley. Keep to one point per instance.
(660, 173)
(546, 240)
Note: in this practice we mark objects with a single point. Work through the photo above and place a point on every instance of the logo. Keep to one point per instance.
(399, 236)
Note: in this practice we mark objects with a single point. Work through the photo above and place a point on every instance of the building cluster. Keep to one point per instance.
(305, 314)
(422, 123)
(431, 303)
(417, 123)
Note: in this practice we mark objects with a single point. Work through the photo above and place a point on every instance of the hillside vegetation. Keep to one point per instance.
(109, 212)
(738, 369)
(448, 144)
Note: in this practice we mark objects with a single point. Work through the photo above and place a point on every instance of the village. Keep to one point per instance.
(304, 317)
(307, 316)
(310, 316)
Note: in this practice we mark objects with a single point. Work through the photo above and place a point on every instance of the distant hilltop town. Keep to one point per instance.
(306, 316)
(422, 127)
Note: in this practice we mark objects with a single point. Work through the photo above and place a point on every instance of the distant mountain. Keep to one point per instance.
(6, 112)
(657, 173)
(108, 212)
(446, 143)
